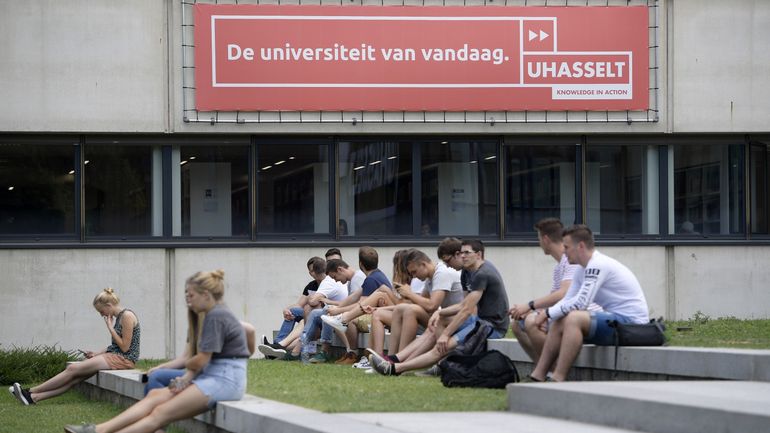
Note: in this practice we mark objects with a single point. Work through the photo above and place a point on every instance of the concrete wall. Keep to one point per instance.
(102, 66)
(47, 294)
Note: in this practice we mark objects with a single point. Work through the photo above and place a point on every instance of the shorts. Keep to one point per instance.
(222, 379)
(117, 362)
(600, 333)
(466, 328)
(363, 322)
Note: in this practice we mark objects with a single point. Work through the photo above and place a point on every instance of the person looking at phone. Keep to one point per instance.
(123, 326)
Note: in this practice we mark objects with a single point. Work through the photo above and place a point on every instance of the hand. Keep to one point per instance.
(541, 319)
(333, 311)
(89, 354)
(519, 311)
(109, 321)
(287, 315)
(368, 309)
(433, 321)
(442, 344)
(403, 290)
(178, 384)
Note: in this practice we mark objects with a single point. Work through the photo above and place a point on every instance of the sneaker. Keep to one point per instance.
(319, 358)
(271, 352)
(335, 322)
(291, 357)
(82, 428)
(431, 372)
(265, 341)
(363, 363)
(372, 352)
(381, 365)
(23, 395)
(348, 359)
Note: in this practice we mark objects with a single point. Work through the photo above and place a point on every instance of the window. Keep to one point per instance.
(214, 190)
(621, 188)
(708, 189)
(37, 188)
(539, 183)
(459, 188)
(293, 192)
(760, 188)
(119, 196)
(375, 188)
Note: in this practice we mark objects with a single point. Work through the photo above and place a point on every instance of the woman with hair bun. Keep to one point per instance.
(217, 372)
(123, 353)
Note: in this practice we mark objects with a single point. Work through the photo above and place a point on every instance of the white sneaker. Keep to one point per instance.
(335, 322)
(271, 352)
(362, 363)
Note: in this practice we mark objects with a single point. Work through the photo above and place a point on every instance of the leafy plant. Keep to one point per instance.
(32, 365)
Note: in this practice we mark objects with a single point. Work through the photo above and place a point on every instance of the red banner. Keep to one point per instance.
(373, 58)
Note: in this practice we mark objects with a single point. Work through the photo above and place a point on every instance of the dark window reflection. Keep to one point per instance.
(215, 190)
(118, 190)
(615, 189)
(37, 187)
(760, 188)
(708, 189)
(539, 183)
(375, 184)
(293, 192)
(459, 188)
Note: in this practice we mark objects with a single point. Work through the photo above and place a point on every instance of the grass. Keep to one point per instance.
(702, 331)
(336, 388)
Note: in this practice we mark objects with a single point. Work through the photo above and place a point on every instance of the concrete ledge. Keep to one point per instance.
(655, 407)
(659, 363)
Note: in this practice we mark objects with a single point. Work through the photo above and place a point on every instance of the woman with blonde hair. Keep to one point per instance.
(217, 372)
(123, 353)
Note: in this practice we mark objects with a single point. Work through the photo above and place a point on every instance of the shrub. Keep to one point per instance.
(32, 365)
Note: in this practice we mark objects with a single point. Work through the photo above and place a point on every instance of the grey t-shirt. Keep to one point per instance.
(493, 305)
(447, 280)
(223, 335)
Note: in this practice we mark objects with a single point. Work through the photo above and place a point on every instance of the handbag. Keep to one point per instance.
(632, 334)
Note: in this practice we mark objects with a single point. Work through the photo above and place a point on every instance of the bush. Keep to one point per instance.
(32, 365)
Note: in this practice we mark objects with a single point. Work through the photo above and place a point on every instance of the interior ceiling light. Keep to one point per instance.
(392, 157)
(72, 172)
(267, 167)
(10, 188)
(490, 157)
(375, 162)
(280, 162)
(183, 162)
(473, 162)
(86, 162)
(359, 167)
(192, 157)
(291, 157)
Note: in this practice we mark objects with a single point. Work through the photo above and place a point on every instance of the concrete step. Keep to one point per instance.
(655, 407)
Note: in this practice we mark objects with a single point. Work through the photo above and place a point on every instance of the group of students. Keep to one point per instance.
(430, 307)
(212, 368)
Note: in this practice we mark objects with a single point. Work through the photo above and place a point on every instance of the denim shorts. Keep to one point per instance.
(222, 379)
(466, 328)
(600, 333)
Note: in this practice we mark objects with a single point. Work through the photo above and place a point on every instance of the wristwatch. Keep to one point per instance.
(531, 305)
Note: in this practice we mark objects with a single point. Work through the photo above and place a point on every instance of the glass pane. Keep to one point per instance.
(459, 189)
(622, 189)
(539, 183)
(37, 189)
(375, 184)
(760, 188)
(118, 190)
(708, 189)
(215, 190)
(293, 193)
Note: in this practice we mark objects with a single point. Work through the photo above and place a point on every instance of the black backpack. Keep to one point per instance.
(489, 369)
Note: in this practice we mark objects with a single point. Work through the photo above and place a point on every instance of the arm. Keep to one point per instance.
(520, 311)
(178, 362)
(316, 300)
(430, 304)
(127, 321)
(193, 366)
(467, 307)
(581, 293)
(352, 299)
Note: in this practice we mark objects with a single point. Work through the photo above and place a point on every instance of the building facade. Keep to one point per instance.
(111, 175)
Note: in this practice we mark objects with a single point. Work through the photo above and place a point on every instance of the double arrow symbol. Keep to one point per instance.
(533, 35)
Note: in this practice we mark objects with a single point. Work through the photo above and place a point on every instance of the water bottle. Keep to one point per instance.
(307, 352)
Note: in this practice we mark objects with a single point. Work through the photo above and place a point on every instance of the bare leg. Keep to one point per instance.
(550, 350)
(425, 360)
(524, 341)
(380, 318)
(137, 411)
(394, 343)
(186, 404)
(73, 374)
(576, 327)
(419, 346)
(351, 337)
(293, 335)
(535, 335)
(414, 316)
(377, 299)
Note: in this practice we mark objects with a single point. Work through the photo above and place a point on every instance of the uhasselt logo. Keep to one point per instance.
(253, 57)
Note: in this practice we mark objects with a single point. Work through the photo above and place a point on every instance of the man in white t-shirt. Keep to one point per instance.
(532, 337)
(354, 278)
(601, 279)
(442, 289)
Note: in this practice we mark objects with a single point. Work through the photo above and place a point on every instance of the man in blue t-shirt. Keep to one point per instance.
(376, 291)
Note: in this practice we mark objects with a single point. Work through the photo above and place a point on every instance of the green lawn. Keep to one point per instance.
(700, 331)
